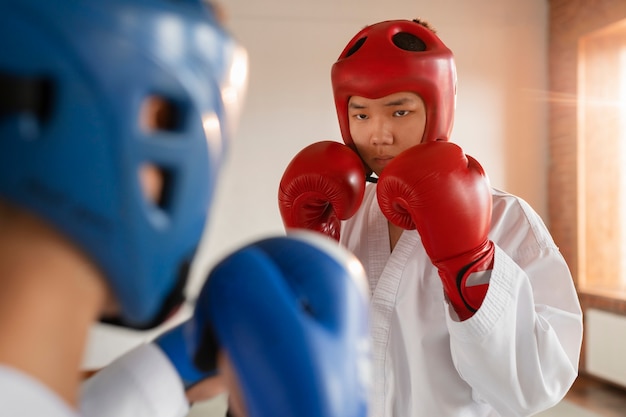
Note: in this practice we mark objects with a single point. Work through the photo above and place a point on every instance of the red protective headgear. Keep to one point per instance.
(376, 63)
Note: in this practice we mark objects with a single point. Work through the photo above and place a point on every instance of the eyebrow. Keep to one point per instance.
(398, 102)
(353, 105)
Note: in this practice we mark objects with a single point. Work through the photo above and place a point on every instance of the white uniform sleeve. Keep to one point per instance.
(141, 383)
(520, 351)
(23, 396)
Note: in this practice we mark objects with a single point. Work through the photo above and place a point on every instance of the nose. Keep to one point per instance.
(381, 133)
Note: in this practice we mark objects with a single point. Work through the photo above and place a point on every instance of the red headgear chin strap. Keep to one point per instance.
(372, 65)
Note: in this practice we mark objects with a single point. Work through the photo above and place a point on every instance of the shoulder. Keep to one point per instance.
(506, 204)
(24, 395)
(516, 224)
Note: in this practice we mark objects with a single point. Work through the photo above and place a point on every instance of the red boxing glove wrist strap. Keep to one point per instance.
(465, 282)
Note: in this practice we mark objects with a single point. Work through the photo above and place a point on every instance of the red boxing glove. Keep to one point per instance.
(322, 185)
(444, 194)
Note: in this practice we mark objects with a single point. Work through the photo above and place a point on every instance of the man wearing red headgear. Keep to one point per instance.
(476, 314)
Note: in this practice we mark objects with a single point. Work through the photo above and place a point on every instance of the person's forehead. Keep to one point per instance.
(399, 97)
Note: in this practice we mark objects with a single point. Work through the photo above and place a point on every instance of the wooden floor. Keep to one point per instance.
(601, 399)
(604, 399)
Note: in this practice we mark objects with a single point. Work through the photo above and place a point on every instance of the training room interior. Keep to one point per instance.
(541, 103)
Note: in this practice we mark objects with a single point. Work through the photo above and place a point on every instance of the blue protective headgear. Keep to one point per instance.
(73, 77)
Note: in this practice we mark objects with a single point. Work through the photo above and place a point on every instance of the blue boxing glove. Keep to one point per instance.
(292, 314)
(191, 347)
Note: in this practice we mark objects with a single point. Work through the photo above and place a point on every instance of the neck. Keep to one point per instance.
(394, 234)
(50, 294)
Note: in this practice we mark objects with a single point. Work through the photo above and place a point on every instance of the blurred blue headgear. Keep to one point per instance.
(74, 78)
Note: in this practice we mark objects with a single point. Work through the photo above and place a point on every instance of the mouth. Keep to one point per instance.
(382, 161)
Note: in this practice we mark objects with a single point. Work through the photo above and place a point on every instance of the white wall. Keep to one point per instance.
(605, 345)
(500, 49)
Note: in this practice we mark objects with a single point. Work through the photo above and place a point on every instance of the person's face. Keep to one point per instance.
(382, 128)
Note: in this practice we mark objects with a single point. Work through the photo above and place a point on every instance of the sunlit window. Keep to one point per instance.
(602, 159)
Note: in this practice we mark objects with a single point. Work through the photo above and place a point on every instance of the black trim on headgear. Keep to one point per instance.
(171, 304)
(205, 358)
(19, 94)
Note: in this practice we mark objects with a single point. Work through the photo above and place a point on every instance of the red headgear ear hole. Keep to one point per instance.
(356, 47)
(408, 42)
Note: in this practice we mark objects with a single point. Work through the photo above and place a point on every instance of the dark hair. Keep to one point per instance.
(425, 24)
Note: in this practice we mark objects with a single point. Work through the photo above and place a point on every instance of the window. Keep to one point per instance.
(602, 159)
